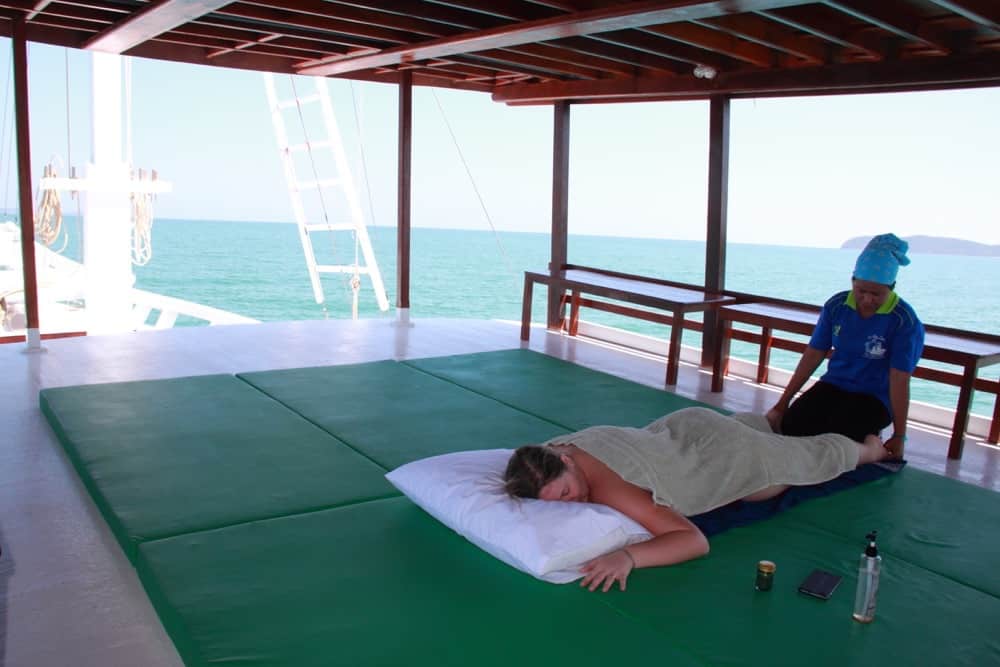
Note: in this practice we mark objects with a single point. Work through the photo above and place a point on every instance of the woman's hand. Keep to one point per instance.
(608, 569)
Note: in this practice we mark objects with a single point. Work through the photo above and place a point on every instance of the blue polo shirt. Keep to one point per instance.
(865, 349)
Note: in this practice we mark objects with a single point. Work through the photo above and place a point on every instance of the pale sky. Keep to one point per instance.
(803, 171)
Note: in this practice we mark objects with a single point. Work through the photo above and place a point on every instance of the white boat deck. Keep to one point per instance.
(68, 595)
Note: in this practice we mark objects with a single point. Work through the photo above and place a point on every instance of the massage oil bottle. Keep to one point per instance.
(868, 572)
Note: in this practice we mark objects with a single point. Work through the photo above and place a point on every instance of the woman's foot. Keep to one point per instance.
(873, 450)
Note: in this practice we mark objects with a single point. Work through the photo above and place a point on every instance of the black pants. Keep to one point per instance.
(826, 408)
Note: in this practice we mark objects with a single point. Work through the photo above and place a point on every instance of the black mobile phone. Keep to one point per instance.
(820, 584)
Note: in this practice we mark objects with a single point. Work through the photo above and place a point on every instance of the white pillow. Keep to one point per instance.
(547, 539)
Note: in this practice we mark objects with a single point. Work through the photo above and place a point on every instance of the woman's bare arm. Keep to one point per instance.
(675, 539)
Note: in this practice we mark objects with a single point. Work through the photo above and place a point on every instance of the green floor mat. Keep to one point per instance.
(165, 457)
(257, 516)
(709, 607)
(378, 583)
(937, 523)
(395, 414)
(556, 390)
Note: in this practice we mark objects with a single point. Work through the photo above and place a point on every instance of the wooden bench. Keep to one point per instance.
(675, 298)
(969, 350)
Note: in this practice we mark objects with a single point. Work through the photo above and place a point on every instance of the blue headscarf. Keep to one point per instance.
(880, 260)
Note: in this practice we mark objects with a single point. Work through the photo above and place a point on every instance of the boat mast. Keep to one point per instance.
(107, 215)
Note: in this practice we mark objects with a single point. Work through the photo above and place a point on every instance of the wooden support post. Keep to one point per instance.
(19, 45)
(764, 358)
(560, 203)
(403, 197)
(720, 365)
(957, 442)
(718, 195)
(995, 424)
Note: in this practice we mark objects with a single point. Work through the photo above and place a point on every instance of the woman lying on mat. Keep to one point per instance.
(685, 463)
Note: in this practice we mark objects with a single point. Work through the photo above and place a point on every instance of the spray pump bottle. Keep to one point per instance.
(868, 572)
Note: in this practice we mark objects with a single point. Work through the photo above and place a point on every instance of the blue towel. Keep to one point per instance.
(741, 513)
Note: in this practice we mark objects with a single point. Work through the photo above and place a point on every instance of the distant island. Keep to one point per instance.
(936, 245)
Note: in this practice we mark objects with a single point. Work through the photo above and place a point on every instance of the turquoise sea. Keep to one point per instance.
(258, 270)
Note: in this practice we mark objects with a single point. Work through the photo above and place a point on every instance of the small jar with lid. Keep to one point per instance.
(765, 575)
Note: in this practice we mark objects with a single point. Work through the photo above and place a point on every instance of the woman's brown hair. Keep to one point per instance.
(530, 468)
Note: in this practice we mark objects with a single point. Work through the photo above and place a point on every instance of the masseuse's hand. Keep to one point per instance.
(774, 417)
(607, 569)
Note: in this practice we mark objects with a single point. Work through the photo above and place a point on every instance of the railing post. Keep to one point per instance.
(718, 196)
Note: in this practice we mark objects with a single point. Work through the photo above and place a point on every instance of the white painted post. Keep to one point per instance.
(107, 215)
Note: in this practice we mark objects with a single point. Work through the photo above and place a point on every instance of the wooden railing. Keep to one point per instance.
(968, 350)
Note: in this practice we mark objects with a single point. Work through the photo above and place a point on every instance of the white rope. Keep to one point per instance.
(364, 161)
(472, 180)
(48, 213)
(142, 225)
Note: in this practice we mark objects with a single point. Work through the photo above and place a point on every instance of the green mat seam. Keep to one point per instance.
(900, 557)
(345, 442)
(129, 543)
(492, 398)
(648, 624)
(310, 510)
(269, 517)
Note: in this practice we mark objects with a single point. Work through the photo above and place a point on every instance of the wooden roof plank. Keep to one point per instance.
(984, 12)
(268, 28)
(712, 40)
(277, 18)
(807, 20)
(771, 34)
(892, 18)
(615, 17)
(659, 47)
(613, 58)
(154, 19)
(37, 9)
(914, 74)
(376, 15)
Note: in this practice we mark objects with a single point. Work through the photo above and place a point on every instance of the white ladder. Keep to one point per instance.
(340, 180)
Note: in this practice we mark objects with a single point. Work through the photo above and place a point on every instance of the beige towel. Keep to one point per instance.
(696, 459)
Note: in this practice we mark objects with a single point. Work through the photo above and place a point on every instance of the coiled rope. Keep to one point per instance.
(142, 224)
(48, 213)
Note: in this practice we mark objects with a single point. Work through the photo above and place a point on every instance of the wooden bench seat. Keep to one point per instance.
(675, 298)
(969, 350)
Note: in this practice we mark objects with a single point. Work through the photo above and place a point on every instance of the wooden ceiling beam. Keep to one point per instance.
(18, 5)
(506, 69)
(353, 43)
(106, 17)
(659, 47)
(65, 23)
(605, 19)
(512, 10)
(243, 39)
(983, 12)
(916, 74)
(512, 61)
(278, 18)
(809, 21)
(892, 18)
(628, 62)
(153, 19)
(528, 57)
(691, 54)
(770, 34)
(715, 41)
(363, 16)
(37, 9)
